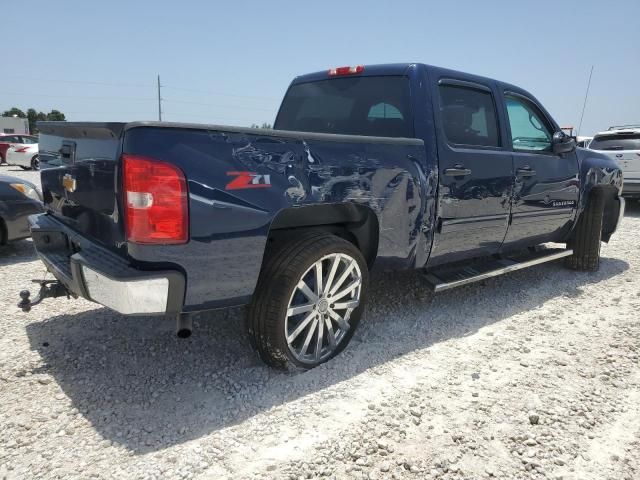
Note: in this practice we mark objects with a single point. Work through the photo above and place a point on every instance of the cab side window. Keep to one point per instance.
(468, 116)
(529, 131)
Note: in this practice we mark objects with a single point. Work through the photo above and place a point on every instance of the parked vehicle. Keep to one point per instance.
(24, 156)
(583, 142)
(17, 141)
(403, 166)
(18, 200)
(622, 144)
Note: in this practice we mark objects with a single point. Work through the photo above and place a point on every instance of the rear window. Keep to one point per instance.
(619, 141)
(375, 106)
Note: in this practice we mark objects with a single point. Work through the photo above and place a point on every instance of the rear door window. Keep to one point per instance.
(374, 106)
(468, 116)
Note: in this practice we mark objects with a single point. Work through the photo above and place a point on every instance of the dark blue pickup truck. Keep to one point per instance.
(403, 166)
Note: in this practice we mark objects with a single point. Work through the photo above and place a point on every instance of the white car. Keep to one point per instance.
(622, 143)
(24, 155)
(583, 142)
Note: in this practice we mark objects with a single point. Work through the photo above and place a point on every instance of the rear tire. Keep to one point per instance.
(587, 236)
(35, 163)
(296, 321)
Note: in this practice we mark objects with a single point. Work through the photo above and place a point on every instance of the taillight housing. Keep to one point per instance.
(23, 149)
(338, 71)
(155, 201)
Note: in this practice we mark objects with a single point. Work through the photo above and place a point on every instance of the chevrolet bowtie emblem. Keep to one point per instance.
(69, 183)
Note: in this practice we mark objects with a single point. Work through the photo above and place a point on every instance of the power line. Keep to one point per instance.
(138, 85)
(78, 82)
(246, 107)
(79, 96)
(209, 92)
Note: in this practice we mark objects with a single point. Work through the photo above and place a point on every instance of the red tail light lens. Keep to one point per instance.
(334, 72)
(155, 201)
(23, 149)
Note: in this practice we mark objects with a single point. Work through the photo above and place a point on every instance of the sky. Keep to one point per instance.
(231, 62)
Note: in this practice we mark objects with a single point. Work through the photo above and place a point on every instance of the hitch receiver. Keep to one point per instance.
(48, 289)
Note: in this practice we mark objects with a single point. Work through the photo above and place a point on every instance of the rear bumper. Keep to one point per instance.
(631, 188)
(101, 276)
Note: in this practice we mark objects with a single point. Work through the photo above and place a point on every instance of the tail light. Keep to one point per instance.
(23, 149)
(155, 201)
(338, 71)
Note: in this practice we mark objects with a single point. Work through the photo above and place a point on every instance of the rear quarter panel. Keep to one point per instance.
(229, 228)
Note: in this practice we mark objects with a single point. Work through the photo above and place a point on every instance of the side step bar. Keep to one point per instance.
(448, 277)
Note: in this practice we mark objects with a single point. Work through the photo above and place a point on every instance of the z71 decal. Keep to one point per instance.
(248, 180)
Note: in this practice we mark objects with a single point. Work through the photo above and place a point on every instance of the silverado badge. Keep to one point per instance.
(69, 183)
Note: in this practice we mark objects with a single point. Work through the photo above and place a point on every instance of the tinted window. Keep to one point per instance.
(619, 141)
(528, 129)
(468, 116)
(376, 106)
(9, 139)
(29, 140)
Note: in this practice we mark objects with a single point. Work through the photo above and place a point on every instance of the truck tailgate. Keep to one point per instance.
(79, 177)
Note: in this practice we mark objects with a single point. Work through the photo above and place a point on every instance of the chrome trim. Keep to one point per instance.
(439, 286)
(127, 297)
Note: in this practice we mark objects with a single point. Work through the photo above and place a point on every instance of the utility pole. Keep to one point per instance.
(159, 101)
(584, 105)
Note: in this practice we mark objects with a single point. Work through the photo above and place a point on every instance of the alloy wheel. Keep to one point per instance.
(317, 317)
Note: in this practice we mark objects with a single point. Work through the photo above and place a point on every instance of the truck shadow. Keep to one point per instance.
(146, 390)
(17, 252)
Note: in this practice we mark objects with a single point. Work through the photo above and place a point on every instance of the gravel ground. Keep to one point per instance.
(530, 375)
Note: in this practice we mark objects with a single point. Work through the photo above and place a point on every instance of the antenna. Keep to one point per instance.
(159, 101)
(584, 105)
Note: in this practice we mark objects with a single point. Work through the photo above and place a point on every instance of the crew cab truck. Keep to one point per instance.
(402, 166)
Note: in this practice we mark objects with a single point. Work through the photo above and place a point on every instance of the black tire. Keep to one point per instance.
(35, 163)
(281, 273)
(586, 239)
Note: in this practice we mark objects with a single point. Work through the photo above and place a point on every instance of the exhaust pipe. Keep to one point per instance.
(184, 325)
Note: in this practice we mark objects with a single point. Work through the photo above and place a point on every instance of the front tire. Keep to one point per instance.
(308, 301)
(587, 236)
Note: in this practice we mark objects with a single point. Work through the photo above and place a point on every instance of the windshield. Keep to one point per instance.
(617, 141)
(375, 106)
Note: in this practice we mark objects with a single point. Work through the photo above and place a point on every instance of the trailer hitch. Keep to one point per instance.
(48, 289)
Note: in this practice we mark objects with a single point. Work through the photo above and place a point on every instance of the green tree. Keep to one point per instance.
(14, 111)
(56, 115)
(33, 116)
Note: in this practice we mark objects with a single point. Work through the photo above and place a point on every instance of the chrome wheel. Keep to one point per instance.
(320, 307)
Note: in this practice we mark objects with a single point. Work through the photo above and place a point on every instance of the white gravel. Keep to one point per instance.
(530, 375)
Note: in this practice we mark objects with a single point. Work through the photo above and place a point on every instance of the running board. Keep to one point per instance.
(444, 278)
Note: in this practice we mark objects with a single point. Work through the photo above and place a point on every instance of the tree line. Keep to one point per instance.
(34, 116)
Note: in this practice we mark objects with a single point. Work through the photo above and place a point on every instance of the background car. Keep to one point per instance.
(24, 156)
(583, 142)
(11, 139)
(622, 144)
(18, 199)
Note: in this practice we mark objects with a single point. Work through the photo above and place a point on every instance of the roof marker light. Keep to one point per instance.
(335, 72)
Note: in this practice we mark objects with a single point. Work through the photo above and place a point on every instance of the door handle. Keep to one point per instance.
(525, 172)
(457, 171)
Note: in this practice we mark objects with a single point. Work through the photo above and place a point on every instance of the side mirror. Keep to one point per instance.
(563, 143)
